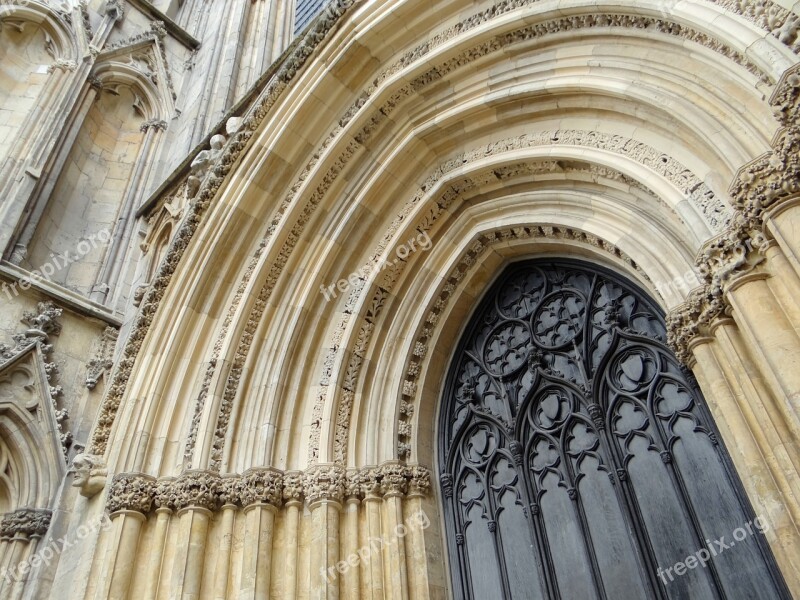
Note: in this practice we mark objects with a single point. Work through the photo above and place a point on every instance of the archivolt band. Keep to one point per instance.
(579, 459)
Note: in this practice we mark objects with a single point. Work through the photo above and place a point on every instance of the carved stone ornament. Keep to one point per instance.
(115, 9)
(164, 493)
(203, 162)
(419, 480)
(43, 323)
(261, 486)
(370, 483)
(394, 480)
(131, 492)
(288, 70)
(25, 523)
(324, 482)
(760, 186)
(293, 486)
(264, 485)
(197, 489)
(103, 357)
(89, 474)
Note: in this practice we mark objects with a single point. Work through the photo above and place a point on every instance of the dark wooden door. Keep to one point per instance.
(578, 459)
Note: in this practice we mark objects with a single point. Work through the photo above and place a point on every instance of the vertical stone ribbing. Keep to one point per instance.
(130, 498)
(417, 521)
(261, 495)
(371, 538)
(350, 579)
(324, 491)
(293, 501)
(196, 497)
(394, 486)
(164, 503)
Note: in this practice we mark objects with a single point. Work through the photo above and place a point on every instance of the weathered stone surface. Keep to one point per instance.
(232, 284)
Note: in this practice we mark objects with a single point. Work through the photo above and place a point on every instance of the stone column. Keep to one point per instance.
(61, 71)
(113, 259)
(324, 491)
(196, 498)
(129, 500)
(229, 498)
(261, 493)
(782, 222)
(20, 531)
(372, 539)
(759, 451)
(784, 283)
(394, 487)
(29, 188)
(773, 338)
(293, 502)
(749, 369)
(164, 502)
(350, 580)
(416, 520)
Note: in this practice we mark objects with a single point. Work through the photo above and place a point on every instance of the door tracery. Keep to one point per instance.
(578, 458)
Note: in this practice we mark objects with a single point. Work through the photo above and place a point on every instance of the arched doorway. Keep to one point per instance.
(578, 459)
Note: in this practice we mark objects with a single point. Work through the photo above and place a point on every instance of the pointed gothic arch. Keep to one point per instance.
(578, 458)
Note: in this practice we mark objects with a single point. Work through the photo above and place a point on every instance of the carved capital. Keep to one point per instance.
(197, 489)
(419, 480)
(25, 523)
(157, 124)
(261, 486)
(393, 479)
(352, 487)
(230, 490)
(95, 82)
(62, 65)
(370, 481)
(775, 176)
(164, 493)
(293, 486)
(324, 482)
(131, 491)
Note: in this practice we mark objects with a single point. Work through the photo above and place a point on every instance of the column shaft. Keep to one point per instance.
(187, 574)
(256, 562)
(292, 545)
(153, 573)
(373, 571)
(766, 327)
(394, 550)
(223, 567)
(121, 554)
(324, 544)
(350, 577)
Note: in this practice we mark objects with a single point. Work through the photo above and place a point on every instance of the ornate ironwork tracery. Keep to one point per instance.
(578, 459)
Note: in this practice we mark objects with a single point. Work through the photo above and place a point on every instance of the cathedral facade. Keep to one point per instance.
(399, 299)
